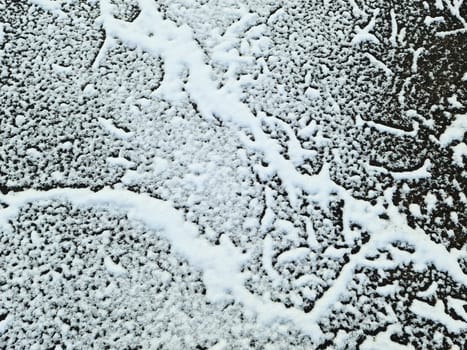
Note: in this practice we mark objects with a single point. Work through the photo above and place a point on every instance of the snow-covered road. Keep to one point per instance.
(200, 174)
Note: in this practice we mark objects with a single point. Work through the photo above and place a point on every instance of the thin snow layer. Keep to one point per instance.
(372, 234)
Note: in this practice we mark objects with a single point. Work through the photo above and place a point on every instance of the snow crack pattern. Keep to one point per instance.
(196, 174)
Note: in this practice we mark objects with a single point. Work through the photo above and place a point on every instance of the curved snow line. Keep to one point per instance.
(220, 264)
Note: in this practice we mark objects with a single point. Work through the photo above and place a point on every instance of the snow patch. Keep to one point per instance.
(459, 153)
(120, 162)
(455, 131)
(292, 255)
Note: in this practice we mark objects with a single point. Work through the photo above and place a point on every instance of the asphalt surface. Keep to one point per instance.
(81, 112)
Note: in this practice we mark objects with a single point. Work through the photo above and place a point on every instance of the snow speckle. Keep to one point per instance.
(459, 306)
(20, 120)
(455, 131)
(2, 34)
(62, 70)
(120, 162)
(292, 255)
(415, 210)
(454, 102)
(33, 153)
(387, 129)
(113, 268)
(430, 202)
(51, 6)
(312, 93)
(221, 345)
(6, 323)
(364, 35)
(429, 292)
(420, 173)
(159, 165)
(116, 132)
(89, 91)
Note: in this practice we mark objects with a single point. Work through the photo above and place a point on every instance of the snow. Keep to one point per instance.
(185, 239)
(387, 129)
(458, 306)
(20, 120)
(120, 162)
(268, 254)
(364, 35)
(459, 152)
(244, 141)
(420, 173)
(311, 235)
(2, 34)
(430, 291)
(380, 65)
(287, 229)
(50, 6)
(113, 268)
(389, 290)
(33, 153)
(394, 30)
(416, 56)
(455, 131)
(4, 324)
(159, 165)
(383, 341)
(292, 255)
(219, 346)
(89, 91)
(431, 20)
(110, 127)
(62, 70)
(437, 314)
(454, 102)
